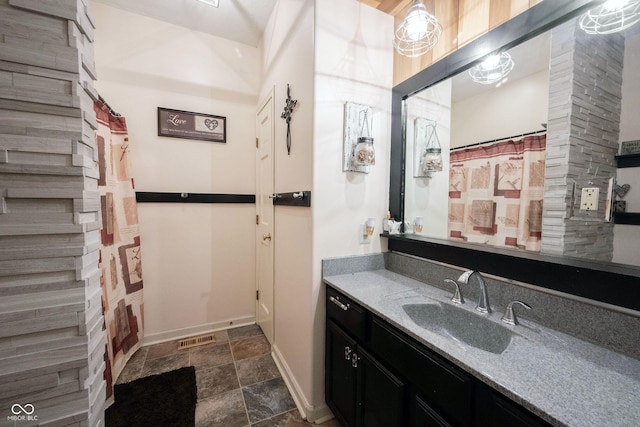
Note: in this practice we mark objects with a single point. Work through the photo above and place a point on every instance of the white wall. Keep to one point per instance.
(353, 62)
(198, 259)
(515, 107)
(626, 237)
(288, 59)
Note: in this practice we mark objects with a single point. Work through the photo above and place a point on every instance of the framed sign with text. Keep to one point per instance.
(185, 124)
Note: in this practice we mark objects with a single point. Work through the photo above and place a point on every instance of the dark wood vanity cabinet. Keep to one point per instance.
(375, 375)
(359, 390)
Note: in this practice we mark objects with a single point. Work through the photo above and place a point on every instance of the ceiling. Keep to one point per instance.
(242, 21)
(392, 7)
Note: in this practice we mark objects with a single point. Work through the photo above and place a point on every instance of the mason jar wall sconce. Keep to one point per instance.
(427, 149)
(358, 153)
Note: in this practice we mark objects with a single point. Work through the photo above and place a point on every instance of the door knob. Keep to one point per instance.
(266, 236)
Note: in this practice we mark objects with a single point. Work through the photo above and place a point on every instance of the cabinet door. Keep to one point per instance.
(340, 375)
(425, 416)
(381, 394)
(447, 389)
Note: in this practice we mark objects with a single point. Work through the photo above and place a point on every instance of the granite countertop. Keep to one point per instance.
(564, 380)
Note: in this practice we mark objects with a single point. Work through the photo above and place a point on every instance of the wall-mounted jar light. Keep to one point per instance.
(364, 154)
(359, 152)
(427, 148)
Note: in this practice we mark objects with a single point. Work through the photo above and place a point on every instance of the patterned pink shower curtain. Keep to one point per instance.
(496, 193)
(120, 258)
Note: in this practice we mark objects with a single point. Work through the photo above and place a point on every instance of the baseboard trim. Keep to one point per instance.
(313, 414)
(176, 334)
(322, 414)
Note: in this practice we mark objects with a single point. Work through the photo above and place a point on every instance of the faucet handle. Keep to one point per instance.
(457, 296)
(510, 316)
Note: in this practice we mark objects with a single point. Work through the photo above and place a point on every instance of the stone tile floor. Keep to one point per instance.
(238, 381)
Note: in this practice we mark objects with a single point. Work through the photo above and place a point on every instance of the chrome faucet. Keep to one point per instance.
(483, 305)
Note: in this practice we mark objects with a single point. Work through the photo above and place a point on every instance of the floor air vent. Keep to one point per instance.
(196, 341)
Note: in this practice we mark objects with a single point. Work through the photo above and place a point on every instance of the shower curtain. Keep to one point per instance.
(496, 193)
(120, 258)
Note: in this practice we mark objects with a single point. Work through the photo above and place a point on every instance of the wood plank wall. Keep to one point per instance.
(52, 341)
(462, 22)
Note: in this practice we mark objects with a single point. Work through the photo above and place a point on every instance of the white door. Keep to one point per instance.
(264, 218)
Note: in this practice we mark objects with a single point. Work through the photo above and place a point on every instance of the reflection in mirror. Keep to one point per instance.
(518, 154)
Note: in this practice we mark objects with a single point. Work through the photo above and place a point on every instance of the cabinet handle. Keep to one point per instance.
(354, 360)
(347, 353)
(337, 302)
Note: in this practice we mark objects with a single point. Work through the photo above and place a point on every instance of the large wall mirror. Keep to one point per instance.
(519, 151)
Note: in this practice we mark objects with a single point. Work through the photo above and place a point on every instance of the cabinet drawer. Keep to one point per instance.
(441, 385)
(349, 315)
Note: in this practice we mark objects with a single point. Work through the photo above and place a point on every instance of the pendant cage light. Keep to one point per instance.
(611, 17)
(493, 69)
(418, 32)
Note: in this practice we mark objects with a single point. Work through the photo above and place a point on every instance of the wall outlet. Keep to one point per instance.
(365, 239)
(589, 199)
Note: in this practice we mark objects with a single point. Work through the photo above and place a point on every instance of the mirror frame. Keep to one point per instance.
(609, 284)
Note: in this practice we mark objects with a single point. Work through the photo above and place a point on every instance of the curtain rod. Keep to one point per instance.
(499, 139)
(106, 104)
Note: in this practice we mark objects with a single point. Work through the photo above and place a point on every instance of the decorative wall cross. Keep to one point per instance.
(290, 104)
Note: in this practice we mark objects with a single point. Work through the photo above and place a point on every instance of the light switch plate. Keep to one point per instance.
(589, 199)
